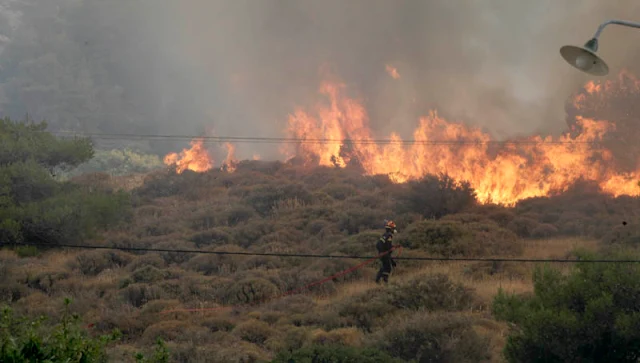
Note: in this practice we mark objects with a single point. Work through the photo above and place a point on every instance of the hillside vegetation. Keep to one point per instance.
(430, 311)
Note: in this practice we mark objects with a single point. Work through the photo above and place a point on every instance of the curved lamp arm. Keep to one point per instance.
(592, 44)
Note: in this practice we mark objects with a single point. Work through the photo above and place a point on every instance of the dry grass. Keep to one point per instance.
(487, 286)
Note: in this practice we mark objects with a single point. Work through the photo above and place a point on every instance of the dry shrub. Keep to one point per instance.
(361, 243)
(211, 237)
(37, 303)
(213, 264)
(148, 274)
(94, 262)
(428, 337)
(139, 294)
(176, 331)
(286, 235)
(431, 292)
(295, 304)
(12, 291)
(149, 259)
(340, 191)
(198, 288)
(239, 352)
(157, 306)
(544, 230)
(291, 338)
(125, 321)
(343, 336)
(45, 280)
(218, 324)
(352, 219)
(175, 257)
(254, 331)
(249, 290)
(252, 232)
(523, 226)
(481, 270)
(455, 238)
(423, 292)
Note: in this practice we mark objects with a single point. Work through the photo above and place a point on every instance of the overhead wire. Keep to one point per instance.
(298, 140)
(306, 255)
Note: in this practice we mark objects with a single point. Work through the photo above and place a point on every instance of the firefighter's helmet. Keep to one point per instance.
(391, 225)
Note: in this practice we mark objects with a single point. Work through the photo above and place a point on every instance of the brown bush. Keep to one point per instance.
(12, 291)
(177, 331)
(148, 259)
(523, 226)
(544, 230)
(216, 324)
(342, 336)
(250, 290)
(439, 337)
(431, 292)
(211, 237)
(45, 280)
(254, 331)
(139, 294)
(451, 238)
(512, 271)
(340, 191)
(210, 264)
(94, 262)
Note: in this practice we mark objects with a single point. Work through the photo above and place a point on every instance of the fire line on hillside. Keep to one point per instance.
(532, 167)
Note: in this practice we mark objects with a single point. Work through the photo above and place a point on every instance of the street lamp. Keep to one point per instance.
(585, 58)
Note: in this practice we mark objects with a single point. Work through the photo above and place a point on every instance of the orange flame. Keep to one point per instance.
(230, 163)
(531, 167)
(393, 71)
(196, 158)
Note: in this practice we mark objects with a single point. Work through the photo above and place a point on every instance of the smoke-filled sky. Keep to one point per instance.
(241, 66)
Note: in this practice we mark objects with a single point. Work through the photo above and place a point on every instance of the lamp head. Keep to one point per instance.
(585, 58)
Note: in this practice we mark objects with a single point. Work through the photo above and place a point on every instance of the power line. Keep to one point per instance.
(297, 140)
(294, 255)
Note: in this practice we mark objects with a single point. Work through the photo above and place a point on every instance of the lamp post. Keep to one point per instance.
(585, 58)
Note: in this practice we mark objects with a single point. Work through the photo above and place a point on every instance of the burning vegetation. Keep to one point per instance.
(337, 133)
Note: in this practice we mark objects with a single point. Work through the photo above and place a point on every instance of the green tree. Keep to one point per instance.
(28, 340)
(34, 207)
(589, 315)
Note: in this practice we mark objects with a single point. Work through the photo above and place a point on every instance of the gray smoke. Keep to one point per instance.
(240, 67)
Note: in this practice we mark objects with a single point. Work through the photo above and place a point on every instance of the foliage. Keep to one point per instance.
(451, 237)
(23, 340)
(34, 207)
(334, 353)
(118, 162)
(160, 354)
(589, 315)
(435, 196)
(440, 337)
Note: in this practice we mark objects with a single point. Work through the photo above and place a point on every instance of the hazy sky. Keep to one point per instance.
(241, 66)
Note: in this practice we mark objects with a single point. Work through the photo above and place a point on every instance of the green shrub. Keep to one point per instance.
(148, 274)
(456, 238)
(434, 196)
(439, 337)
(27, 340)
(250, 290)
(591, 314)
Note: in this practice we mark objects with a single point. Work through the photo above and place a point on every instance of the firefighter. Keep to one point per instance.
(385, 243)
